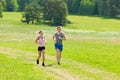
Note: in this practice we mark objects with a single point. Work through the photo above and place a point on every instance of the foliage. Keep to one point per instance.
(2, 5)
(109, 8)
(73, 5)
(11, 5)
(22, 4)
(1, 9)
(53, 11)
(33, 13)
(87, 7)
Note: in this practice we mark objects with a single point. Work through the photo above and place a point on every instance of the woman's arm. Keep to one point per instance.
(36, 40)
(45, 40)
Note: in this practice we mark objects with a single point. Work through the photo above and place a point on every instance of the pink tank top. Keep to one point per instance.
(41, 41)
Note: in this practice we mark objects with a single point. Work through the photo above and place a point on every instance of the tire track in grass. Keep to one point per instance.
(59, 74)
(62, 73)
(100, 73)
(49, 72)
(73, 70)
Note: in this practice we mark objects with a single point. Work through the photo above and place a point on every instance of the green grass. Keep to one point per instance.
(93, 46)
(12, 68)
(94, 23)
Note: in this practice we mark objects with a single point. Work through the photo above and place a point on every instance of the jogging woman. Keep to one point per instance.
(41, 47)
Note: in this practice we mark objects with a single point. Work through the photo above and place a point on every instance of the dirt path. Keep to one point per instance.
(63, 73)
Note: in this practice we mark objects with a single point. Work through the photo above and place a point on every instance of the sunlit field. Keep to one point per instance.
(91, 51)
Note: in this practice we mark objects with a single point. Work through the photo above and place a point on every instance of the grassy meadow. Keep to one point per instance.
(91, 52)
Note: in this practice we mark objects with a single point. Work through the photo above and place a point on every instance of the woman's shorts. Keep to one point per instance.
(41, 48)
(60, 47)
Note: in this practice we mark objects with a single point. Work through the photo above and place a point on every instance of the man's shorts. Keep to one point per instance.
(60, 47)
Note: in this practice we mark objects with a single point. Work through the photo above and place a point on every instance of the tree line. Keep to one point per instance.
(53, 10)
(109, 8)
(83, 7)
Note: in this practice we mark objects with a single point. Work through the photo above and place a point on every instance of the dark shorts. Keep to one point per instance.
(60, 47)
(41, 48)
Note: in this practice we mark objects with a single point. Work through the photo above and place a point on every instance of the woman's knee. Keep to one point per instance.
(43, 54)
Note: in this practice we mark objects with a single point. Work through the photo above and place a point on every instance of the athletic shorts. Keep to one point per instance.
(60, 47)
(41, 48)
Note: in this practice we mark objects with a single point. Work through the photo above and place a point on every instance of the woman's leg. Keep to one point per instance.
(39, 55)
(43, 57)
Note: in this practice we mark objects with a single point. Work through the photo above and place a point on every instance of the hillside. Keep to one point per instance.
(91, 52)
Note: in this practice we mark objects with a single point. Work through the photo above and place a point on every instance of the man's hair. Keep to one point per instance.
(59, 27)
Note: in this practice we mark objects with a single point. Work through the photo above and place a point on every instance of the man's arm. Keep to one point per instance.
(53, 36)
(63, 38)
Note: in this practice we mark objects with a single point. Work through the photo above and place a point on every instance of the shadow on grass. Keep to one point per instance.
(49, 65)
(28, 64)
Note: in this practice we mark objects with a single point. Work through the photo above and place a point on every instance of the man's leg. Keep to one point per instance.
(58, 55)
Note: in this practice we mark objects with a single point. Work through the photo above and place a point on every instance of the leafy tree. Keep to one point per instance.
(76, 6)
(73, 5)
(1, 9)
(87, 7)
(95, 12)
(11, 5)
(103, 7)
(22, 4)
(55, 11)
(70, 4)
(2, 5)
(109, 8)
(114, 6)
(33, 13)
